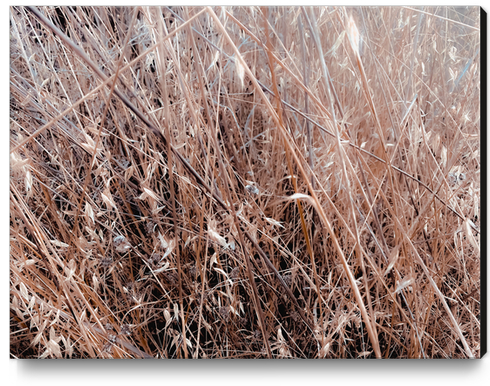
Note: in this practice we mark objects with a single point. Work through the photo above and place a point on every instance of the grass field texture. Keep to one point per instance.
(244, 182)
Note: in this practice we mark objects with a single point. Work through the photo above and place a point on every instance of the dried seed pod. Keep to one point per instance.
(126, 329)
(172, 278)
(225, 312)
(106, 262)
(452, 179)
(121, 244)
(235, 272)
(107, 348)
(253, 190)
(112, 338)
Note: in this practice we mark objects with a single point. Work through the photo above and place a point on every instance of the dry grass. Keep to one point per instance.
(285, 183)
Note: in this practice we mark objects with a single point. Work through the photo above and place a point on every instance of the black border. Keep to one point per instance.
(483, 160)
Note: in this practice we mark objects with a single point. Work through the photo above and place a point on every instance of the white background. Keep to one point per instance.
(202, 372)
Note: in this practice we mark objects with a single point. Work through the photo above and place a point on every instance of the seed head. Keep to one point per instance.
(121, 244)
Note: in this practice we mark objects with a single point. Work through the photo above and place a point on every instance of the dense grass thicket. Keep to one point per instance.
(244, 182)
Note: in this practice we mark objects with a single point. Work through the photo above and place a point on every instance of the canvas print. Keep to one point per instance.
(245, 182)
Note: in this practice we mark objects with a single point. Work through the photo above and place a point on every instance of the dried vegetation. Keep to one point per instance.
(245, 182)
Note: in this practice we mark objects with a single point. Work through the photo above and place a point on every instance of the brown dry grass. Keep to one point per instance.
(285, 183)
